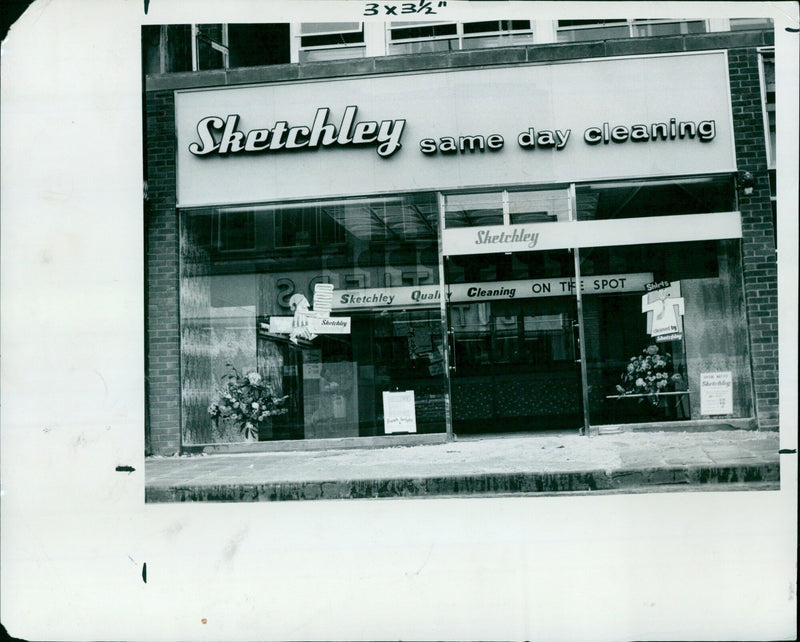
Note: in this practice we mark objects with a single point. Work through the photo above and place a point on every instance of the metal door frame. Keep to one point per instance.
(448, 334)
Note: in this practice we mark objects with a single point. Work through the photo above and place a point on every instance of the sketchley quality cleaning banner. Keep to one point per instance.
(529, 124)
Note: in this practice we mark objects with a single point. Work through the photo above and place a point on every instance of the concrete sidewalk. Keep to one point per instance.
(518, 464)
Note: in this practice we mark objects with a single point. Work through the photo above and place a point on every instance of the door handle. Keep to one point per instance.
(451, 341)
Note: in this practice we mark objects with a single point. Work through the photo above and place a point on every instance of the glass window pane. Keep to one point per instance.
(739, 24)
(333, 53)
(469, 210)
(209, 45)
(654, 198)
(649, 352)
(422, 46)
(579, 30)
(251, 45)
(667, 28)
(151, 49)
(317, 28)
(255, 282)
(179, 48)
(423, 30)
(540, 206)
(504, 40)
(768, 98)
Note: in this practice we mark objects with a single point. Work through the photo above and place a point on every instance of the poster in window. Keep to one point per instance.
(716, 393)
(399, 412)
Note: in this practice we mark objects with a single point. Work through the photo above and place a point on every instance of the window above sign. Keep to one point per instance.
(419, 37)
(331, 40)
(181, 48)
(607, 29)
(767, 63)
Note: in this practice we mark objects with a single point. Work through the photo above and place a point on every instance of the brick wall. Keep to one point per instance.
(162, 341)
(758, 243)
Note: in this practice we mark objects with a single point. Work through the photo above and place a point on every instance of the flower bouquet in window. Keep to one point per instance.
(649, 374)
(247, 401)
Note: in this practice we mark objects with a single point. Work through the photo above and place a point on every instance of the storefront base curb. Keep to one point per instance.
(696, 425)
(735, 477)
(343, 443)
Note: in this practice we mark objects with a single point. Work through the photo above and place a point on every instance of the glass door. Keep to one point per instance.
(511, 316)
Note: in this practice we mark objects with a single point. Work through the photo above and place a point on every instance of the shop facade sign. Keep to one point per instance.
(430, 295)
(438, 131)
(567, 234)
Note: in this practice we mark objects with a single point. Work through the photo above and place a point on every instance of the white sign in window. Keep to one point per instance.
(716, 393)
(399, 413)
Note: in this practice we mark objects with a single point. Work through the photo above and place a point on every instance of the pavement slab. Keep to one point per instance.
(517, 464)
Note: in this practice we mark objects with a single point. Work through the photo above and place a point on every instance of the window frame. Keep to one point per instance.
(301, 48)
(631, 24)
(767, 52)
(459, 36)
(221, 47)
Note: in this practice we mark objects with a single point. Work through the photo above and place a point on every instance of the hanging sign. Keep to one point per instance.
(306, 323)
(664, 307)
(399, 414)
(716, 393)
(431, 295)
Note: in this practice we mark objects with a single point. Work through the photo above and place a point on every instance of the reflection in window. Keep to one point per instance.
(654, 198)
(496, 33)
(580, 30)
(767, 59)
(740, 24)
(506, 207)
(241, 268)
(419, 37)
(469, 210)
(540, 206)
(621, 329)
(211, 46)
(236, 230)
(331, 41)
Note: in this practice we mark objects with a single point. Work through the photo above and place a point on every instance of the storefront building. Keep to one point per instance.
(465, 228)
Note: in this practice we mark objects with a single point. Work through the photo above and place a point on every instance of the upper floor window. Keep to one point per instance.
(576, 30)
(331, 40)
(210, 46)
(767, 61)
(420, 37)
(166, 48)
(740, 24)
(180, 48)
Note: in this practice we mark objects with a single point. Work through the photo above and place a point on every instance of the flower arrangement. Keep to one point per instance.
(247, 401)
(648, 374)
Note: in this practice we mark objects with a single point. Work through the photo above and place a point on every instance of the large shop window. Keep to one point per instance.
(264, 294)
(677, 351)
